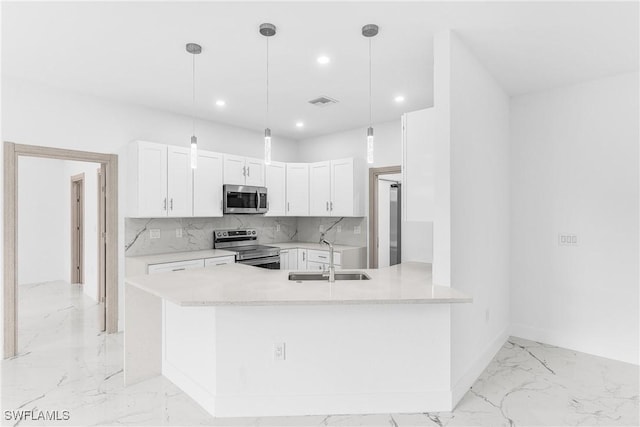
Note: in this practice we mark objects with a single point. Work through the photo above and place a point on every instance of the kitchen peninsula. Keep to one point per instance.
(244, 341)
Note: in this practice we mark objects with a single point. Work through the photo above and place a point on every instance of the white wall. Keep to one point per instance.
(575, 170)
(479, 196)
(39, 115)
(42, 256)
(353, 143)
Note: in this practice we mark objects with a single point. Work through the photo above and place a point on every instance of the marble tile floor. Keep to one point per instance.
(65, 364)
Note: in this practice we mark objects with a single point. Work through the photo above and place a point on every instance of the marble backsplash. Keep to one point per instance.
(197, 233)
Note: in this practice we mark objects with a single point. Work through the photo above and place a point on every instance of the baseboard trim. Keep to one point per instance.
(561, 340)
(466, 381)
(334, 404)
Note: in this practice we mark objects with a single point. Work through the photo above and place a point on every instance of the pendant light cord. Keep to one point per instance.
(193, 123)
(370, 123)
(267, 118)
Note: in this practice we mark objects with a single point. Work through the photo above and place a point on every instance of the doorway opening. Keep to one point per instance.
(385, 233)
(106, 232)
(77, 229)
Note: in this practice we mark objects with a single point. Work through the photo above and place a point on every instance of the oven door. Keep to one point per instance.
(244, 199)
(270, 262)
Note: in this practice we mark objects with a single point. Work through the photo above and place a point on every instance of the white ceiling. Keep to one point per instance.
(134, 52)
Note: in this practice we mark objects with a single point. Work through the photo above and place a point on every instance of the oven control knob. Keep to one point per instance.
(224, 233)
(253, 232)
(218, 234)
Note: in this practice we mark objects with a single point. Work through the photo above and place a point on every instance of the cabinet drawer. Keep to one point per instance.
(323, 256)
(175, 266)
(220, 260)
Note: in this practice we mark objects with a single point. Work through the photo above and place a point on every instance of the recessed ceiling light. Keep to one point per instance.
(399, 98)
(221, 103)
(323, 59)
(299, 124)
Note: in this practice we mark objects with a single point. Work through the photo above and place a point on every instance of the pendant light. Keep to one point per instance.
(369, 31)
(267, 30)
(194, 49)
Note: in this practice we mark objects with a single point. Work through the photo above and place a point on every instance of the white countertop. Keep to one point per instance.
(182, 256)
(238, 284)
(310, 245)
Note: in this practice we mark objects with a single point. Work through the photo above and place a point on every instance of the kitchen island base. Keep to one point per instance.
(355, 359)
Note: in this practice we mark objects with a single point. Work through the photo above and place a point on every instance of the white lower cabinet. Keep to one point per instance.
(302, 259)
(289, 259)
(175, 266)
(220, 260)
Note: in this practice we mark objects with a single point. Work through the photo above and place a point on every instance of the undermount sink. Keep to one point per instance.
(312, 275)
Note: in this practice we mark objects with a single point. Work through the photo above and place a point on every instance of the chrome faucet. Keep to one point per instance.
(332, 268)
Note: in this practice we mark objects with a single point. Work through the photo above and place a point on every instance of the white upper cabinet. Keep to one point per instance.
(347, 188)
(320, 189)
(275, 181)
(207, 185)
(240, 170)
(148, 179)
(255, 172)
(336, 188)
(297, 189)
(179, 180)
(234, 170)
(147, 176)
(418, 142)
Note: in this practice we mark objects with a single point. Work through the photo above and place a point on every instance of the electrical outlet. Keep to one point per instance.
(178, 232)
(277, 227)
(154, 233)
(356, 229)
(321, 228)
(567, 240)
(279, 351)
(339, 229)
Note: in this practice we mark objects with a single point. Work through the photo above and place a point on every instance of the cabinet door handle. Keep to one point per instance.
(179, 269)
(327, 206)
(244, 171)
(248, 171)
(164, 207)
(331, 206)
(171, 204)
(304, 256)
(288, 207)
(322, 256)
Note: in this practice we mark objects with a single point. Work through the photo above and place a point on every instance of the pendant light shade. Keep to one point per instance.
(194, 49)
(267, 30)
(369, 31)
(267, 146)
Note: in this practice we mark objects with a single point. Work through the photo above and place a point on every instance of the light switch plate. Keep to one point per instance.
(339, 229)
(277, 227)
(178, 232)
(321, 228)
(154, 233)
(356, 229)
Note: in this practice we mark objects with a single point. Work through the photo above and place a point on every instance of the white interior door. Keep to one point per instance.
(179, 178)
(383, 223)
(152, 180)
(297, 189)
(234, 170)
(275, 181)
(320, 189)
(342, 197)
(207, 185)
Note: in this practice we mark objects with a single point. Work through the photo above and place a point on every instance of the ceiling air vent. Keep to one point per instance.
(322, 101)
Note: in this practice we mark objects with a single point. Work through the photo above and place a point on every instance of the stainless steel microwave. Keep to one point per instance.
(244, 199)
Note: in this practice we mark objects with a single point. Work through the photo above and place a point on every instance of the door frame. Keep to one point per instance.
(12, 152)
(77, 218)
(374, 173)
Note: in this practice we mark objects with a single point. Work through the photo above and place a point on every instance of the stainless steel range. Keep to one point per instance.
(245, 244)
